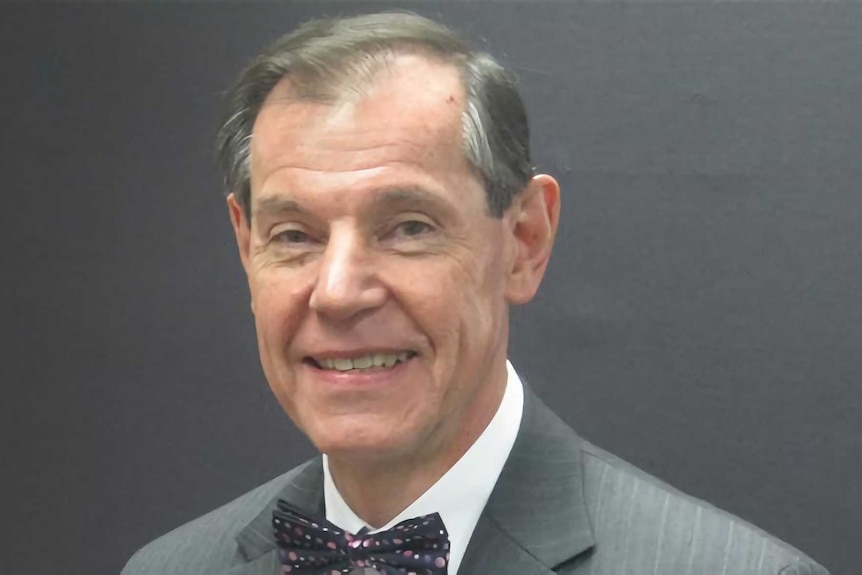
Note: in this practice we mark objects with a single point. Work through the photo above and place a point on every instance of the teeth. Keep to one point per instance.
(364, 362)
(343, 364)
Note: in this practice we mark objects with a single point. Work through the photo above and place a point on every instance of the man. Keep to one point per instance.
(386, 216)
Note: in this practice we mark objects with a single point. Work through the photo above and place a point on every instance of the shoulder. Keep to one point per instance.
(636, 514)
(208, 542)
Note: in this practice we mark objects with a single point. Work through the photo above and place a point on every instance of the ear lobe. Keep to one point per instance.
(241, 229)
(535, 215)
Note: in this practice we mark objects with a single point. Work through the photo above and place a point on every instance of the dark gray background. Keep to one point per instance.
(701, 317)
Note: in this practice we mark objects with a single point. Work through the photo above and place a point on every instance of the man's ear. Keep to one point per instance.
(241, 229)
(533, 217)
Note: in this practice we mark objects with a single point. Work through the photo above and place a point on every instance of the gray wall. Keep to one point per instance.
(702, 315)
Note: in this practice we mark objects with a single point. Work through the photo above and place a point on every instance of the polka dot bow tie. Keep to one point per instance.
(314, 546)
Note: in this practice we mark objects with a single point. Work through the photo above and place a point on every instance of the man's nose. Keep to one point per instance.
(347, 281)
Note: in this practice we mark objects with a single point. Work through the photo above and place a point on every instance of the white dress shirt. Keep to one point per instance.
(460, 495)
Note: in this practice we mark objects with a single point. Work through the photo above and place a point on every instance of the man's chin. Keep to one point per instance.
(363, 445)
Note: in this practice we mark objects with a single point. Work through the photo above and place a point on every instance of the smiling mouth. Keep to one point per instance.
(362, 363)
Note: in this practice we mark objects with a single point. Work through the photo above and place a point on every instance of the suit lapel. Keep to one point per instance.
(256, 542)
(536, 518)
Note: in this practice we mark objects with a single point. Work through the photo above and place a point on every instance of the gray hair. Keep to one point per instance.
(326, 59)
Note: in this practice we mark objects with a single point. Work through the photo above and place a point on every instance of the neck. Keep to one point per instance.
(378, 489)
(378, 495)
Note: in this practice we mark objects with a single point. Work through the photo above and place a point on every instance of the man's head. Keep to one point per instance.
(381, 257)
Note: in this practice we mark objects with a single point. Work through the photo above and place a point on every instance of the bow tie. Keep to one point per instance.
(312, 545)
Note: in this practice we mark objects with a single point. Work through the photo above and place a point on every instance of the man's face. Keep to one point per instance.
(378, 278)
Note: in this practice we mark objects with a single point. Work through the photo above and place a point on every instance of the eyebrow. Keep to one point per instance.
(411, 196)
(275, 204)
(386, 198)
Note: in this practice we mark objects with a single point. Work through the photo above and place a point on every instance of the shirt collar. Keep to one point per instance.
(459, 496)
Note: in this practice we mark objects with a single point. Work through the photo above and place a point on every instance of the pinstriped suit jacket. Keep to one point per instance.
(561, 505)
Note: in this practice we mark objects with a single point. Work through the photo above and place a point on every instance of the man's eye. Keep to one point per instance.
(291, 237)
(413, 228)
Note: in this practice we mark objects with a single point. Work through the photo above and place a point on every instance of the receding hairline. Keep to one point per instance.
(440, 121)
(351, 82)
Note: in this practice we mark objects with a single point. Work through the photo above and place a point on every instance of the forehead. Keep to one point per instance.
(410, 114)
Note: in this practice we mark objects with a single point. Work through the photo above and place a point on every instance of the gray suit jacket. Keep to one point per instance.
(560, 505)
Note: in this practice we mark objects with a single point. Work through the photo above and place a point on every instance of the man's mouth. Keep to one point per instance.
(365, 362)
